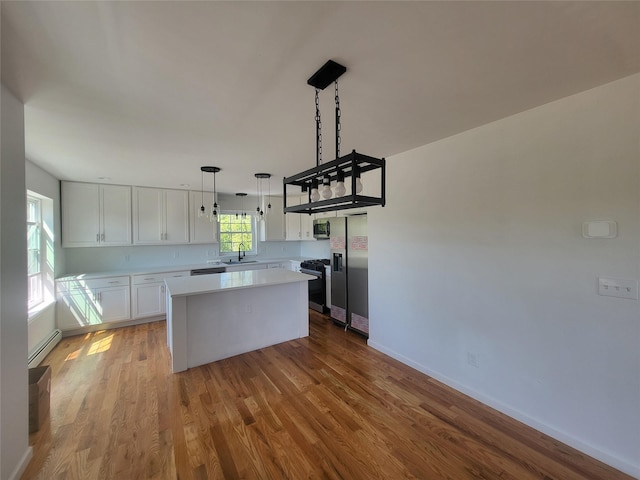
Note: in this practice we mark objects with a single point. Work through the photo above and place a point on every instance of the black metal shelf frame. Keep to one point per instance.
(349, 165)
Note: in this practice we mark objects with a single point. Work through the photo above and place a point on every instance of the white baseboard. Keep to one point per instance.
(43, 349)
(22, 464)
(615, 462)
(110, 326)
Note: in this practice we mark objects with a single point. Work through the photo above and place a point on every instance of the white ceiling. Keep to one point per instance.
(144, 93)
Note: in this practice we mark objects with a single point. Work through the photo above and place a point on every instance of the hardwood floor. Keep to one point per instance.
(326, 406)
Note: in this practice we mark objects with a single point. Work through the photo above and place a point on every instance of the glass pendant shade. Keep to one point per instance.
(340, 189)
(326, 188)
(212, 215)
(358, 181)
(315, 194)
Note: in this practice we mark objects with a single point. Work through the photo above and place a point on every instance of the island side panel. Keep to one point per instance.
(228, 323)
(177, 332)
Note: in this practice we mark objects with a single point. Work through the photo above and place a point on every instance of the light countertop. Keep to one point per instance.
(185, 286)
(173, 268)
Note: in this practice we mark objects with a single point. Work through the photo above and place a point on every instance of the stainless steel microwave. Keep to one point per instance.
(321, 228)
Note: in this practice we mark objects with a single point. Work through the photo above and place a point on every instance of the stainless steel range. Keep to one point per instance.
(317, 287)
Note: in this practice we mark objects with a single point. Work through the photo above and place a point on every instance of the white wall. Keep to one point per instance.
(14, 447)
(43, 183)
(108, 259)
(38, 181)
(317, 249)
(478, 258)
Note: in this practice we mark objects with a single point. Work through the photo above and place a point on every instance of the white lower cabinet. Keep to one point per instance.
(294, 265)
(87, 302)
(278, 265)
(148, 293)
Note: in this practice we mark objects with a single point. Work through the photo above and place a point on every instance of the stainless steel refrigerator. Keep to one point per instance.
(349, 244)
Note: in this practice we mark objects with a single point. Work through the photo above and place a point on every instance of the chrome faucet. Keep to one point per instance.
(240, 257)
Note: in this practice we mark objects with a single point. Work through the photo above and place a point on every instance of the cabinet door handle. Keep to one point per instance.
(115, 281)
(102, 237)
(97, 237)
(149, 278)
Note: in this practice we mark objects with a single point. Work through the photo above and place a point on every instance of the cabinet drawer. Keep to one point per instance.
(156, 277)
(93, 283)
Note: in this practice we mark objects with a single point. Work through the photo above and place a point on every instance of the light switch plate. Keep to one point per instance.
(618, 287)
(600, 229)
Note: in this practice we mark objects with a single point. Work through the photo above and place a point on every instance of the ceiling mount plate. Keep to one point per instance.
(210, 169)
(263, 175)
(327, 74)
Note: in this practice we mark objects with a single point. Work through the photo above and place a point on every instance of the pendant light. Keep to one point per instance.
(244, 213)
(326, 187)
(352, 165)
(340, 189)
(215, 210)
(262, 227)
(201, 210)
(358, 182)
(315, 193)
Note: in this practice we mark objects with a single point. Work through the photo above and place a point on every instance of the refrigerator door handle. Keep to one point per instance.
(337, 262)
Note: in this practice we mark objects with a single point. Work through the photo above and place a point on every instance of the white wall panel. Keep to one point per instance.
(480, 276)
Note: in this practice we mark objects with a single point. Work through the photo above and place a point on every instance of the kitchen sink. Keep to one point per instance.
(236, 262)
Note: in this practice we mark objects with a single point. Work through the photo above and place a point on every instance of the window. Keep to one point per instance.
(35, 292)
(237, 232)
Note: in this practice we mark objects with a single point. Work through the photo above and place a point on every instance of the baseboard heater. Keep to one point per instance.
(44, 348)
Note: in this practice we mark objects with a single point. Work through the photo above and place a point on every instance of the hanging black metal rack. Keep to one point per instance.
(350, 166)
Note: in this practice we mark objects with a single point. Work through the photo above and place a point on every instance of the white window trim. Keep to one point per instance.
(32, 306)
(254, 233)
(46, 254)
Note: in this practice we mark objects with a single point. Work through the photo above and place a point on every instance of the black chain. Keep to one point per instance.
(318, 130)
(338, 125)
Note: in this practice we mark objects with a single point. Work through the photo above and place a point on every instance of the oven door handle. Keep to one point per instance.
(311, 272)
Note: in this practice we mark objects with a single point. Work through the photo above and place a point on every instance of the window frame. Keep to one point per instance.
(35, 280)
(254, 234)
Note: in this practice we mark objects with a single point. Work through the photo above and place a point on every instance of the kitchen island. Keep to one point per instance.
(211, 317)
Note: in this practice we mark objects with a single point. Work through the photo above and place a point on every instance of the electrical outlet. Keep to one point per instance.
(618, 287)
(127, 258)
(176, 254)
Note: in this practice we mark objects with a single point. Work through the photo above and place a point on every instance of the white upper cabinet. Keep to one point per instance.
(275, 220)
(292, 221)
(95, 215)
(306, 226)
(160, 216)
(202, 229)
(299, 225)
